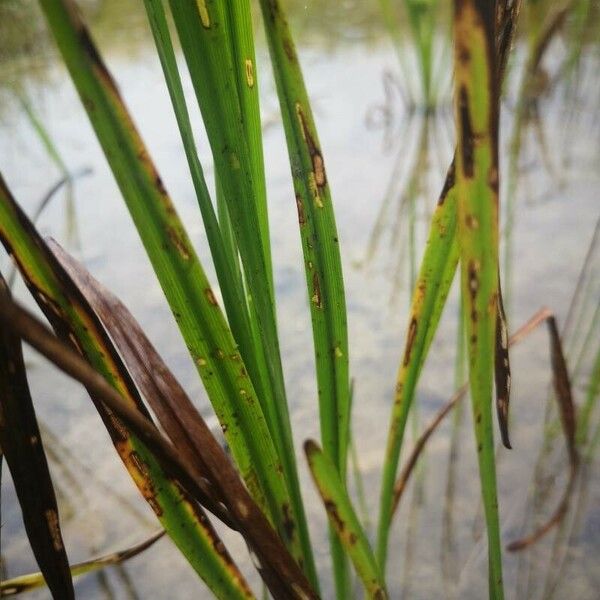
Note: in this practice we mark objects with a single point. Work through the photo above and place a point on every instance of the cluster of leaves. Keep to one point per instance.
(177, 464)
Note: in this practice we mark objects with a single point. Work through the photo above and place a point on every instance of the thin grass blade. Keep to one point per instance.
(435, 278)
(219, 234)
(344, 520)
(400, 486)
(566, 407)
(208, 45)
(182, 422)
(71, 317)
(176, 265)
(433, 284)
(281, 574)
(22, 448)
(502, 370)
(32, 581)
(476, 116)
(320, 246)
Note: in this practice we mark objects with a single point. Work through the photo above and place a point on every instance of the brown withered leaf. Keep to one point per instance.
(187, 430)
(22, 447)
(502, 370)
(282, 575)
(566, 407)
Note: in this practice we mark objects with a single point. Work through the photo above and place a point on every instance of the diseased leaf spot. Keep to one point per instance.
(249, 73)
(155, 506)
(288, 521)
(448, 183)
(242, 508)
(318, 164)
(473, 278)
(179, 243)
(319, 169)
(471, 221)
(54, 529)
(139, 464)
(300, 207)
(210, 297)
(467, 135)
(289, 50)
(204, 16)
(410, 340)
(316, 297)
(493, 179)
(332, 511)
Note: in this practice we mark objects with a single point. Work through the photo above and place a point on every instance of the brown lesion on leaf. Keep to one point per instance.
(316, 297)
(177, 240)
(300, 207)
(471, 222)
(449, 183)
(54, 529)
(210, 296)
(334, 515)
(289, 524)
(290, 51)
(473, 278)
(463, 54)
(90, 49)
(493, 180)
(154, 505)
(139, 464)
(467, 134)
(318, 164)
(119, 433)
(410, 340)
(398, 390)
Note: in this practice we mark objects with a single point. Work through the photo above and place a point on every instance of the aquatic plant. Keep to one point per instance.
(178, 465)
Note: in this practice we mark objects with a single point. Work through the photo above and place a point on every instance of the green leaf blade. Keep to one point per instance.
(344, 520)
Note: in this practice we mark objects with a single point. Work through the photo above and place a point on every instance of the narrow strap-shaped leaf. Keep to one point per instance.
(173, 408)
(567, 411)
(240, 30)
(182, 422)
(320, 246)
(207, 47)
(31, 581)
(226, 267)
(69, 314)
(591, 398)
(176, 265)
(344, 520)
(477, 177)
(400, 486)
(21, 445)
(433, 285)
(282, 575)
(502, 370)
(563, 390)
(319, 235)
(436, 274)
